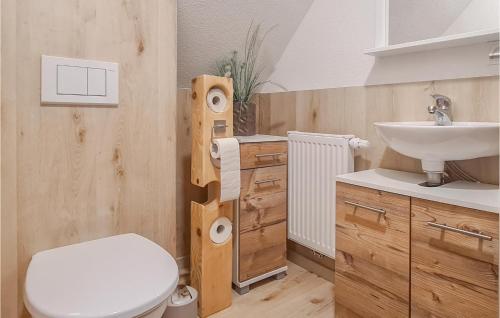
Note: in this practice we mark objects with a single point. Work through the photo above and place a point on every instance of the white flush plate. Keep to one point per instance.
(78, 82)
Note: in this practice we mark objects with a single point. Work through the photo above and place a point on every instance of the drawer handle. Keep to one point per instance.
(376, 210)
(273, 180)
(263, 155)
(457, 230)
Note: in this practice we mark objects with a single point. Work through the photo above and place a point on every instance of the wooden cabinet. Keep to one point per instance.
(454, 271)
(260, 217)
(372, 253)
(446, 267)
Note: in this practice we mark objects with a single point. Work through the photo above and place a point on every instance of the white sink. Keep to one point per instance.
(436, 144)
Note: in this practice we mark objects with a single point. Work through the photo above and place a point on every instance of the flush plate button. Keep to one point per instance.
(79, 82)
(71, 80)
(96, 82)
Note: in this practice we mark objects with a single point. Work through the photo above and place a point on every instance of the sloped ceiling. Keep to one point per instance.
(211, 29)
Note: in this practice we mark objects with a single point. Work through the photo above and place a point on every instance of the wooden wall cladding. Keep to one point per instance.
(72, 174)
(452, 274)
(353, 110)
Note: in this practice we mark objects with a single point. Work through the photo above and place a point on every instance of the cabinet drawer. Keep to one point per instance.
(263, 181)
(263, 197)
(453, 274)
(372, 252)
(262, 250)
(265, 154)
(261, 210)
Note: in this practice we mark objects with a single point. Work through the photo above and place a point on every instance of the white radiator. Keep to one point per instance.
(314, 160)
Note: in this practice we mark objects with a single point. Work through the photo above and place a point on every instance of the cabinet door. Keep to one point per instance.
(453, 274)
(262, 250)
(372, 253)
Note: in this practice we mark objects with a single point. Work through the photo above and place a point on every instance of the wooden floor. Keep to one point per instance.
(300, 294)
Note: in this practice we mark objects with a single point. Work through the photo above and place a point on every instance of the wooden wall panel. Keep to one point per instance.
(80, 173)
(9, 285)
(277, 112)
(353, 110)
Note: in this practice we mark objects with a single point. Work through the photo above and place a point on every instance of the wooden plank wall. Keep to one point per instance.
(71, 174)
(353, 110)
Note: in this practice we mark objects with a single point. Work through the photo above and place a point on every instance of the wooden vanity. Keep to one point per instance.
(260, 227)
(403, 250)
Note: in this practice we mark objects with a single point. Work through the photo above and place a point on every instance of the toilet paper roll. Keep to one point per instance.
(227, 150)
(216, 100)
(221, 230)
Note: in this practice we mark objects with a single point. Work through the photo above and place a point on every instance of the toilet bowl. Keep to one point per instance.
(123, 276)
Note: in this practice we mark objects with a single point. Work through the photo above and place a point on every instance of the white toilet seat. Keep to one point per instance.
(122, 276)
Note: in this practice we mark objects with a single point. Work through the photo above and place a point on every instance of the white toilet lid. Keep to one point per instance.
(120, 276)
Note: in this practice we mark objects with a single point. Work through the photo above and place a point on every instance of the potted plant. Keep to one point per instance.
(246, 75)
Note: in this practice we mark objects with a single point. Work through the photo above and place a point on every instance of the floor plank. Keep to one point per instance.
(300, 294)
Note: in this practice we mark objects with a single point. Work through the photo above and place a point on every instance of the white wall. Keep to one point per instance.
(210, 30)
(326, 51)
(479, 14)
(411, 20)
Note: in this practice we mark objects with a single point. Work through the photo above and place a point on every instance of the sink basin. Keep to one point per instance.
(436, 144)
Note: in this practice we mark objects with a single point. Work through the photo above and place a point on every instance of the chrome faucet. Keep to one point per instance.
(442, 110)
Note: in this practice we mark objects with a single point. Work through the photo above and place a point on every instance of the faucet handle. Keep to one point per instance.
(442, 101)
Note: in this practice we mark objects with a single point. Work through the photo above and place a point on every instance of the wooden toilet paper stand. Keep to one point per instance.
(211, 263)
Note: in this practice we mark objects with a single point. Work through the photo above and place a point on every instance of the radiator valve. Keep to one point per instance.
(358, 143)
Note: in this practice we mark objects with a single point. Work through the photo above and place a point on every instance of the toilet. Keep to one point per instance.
(123, 276)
